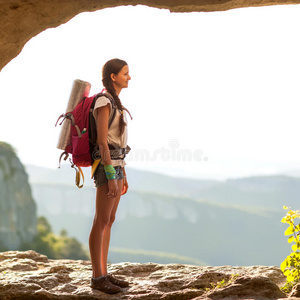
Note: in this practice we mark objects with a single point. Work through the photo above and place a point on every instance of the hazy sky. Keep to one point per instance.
(212, 95)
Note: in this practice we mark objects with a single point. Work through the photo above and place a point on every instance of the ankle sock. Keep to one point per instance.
(98, 277)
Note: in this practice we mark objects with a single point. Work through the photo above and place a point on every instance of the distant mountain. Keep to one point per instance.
(265, 191)
(166, 219)
(139, 180)
(17, 207)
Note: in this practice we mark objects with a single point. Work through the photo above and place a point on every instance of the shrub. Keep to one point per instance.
(55, 246)
(291, 265)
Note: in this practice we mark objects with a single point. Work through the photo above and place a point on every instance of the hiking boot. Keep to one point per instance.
(119, 282)
(104, 285)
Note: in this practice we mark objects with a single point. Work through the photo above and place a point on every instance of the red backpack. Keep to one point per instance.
(83, 142)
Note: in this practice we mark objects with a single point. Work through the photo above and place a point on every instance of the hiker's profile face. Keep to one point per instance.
(122, 78)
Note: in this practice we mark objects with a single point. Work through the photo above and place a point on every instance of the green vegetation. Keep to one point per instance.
(55, 246)
(223, 283)
(291, 265)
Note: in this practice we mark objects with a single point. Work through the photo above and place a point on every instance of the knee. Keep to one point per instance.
(101, 222)
(111, 220)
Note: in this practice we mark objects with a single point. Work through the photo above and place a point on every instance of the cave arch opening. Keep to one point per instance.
(220, 77)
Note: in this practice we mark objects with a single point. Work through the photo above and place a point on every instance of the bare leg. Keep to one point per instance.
(100, 233)
(107, 230)
(103, 210)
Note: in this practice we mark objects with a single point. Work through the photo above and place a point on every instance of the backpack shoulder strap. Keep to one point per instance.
(92, 122)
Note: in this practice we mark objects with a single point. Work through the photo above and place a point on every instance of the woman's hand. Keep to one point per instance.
(125, 186)
(112, 188)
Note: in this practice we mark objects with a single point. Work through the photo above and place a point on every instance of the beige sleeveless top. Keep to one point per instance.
(113, 137)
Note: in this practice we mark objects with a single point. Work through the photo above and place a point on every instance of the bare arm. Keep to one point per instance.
(102, 133)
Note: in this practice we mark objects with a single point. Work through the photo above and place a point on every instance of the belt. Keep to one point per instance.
(118, 153)
(115, 153)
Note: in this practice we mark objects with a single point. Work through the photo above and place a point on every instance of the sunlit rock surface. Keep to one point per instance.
(20, 20)
(17, 208)
(31, 275)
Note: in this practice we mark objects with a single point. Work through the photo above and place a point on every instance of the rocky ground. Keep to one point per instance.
(30, 275)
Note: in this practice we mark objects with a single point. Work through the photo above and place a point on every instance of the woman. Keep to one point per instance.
(109, 177)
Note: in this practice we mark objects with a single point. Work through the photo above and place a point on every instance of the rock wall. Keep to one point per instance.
(17, 207)
(29, 275)
(20, 20)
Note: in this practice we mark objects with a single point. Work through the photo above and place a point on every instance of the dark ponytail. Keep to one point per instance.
(114, 66)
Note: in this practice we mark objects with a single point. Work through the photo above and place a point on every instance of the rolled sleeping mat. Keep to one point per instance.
(80, 90)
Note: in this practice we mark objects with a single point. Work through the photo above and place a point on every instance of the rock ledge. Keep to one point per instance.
(30, 275)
